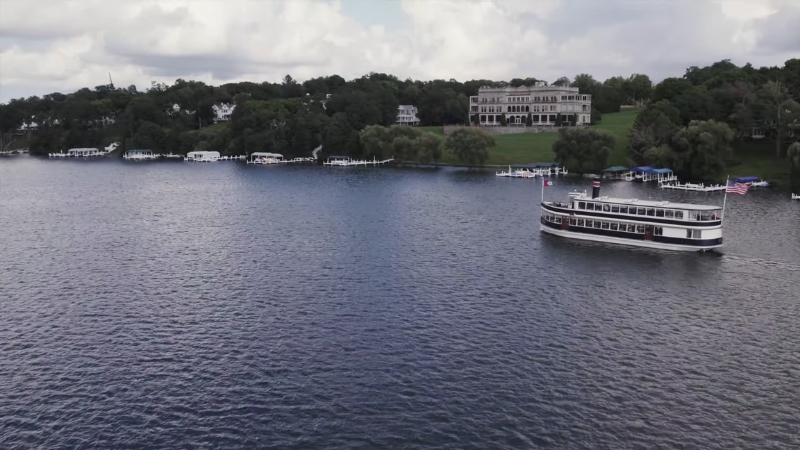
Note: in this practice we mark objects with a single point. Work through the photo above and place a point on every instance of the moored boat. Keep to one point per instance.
(202, 156)
(641, 223)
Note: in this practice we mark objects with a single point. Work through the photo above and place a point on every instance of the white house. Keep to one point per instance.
(542, 102)
(407, 115)
(223, 112)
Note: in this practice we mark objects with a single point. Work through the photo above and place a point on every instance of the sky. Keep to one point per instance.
(62, 45)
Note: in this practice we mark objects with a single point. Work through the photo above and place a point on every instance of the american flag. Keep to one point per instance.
(737, 188)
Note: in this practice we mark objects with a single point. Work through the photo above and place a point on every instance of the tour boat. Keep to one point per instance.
(202, 156)
(139, 155)
(80, 153)
(642, 223)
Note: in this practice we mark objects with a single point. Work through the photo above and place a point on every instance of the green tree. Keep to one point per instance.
(653, 128)
(670, 89)
(529, 120)
(639, 89)
(701, 150)
(404, 149)
(582, 149)
(562, 82)
(793, 153)
(377, 141)
(430, 148)
(470, 145)
(503, 121)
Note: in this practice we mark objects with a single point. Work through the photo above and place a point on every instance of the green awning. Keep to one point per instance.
(616, 169)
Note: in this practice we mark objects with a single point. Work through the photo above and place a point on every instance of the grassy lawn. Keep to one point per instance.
(538, 147)
(757, 158)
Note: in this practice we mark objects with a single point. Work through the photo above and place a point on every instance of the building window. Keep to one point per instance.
(584, 98)
(483, 118)
(658, 231)
(535, 118)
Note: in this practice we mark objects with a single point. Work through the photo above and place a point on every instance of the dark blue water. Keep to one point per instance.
(175, 305)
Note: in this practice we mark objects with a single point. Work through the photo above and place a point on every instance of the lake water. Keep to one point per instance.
(178, 305)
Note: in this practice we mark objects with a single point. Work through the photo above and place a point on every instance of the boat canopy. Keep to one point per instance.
(543, 165)
(616, 169)
(139, 150)
(662, 170)
(746, 180)
(338, 157)
(524, 166)
(646, 169)
(267, 154)
(202, 153)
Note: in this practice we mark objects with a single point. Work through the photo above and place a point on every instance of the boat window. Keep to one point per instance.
(693, 215)
(669, 213)
(651, 212)
(640, 211)
(589, 223)
(623, 209)
(590, 206)
(581, 205)
(688, 234)
(695, 234)
(614, 226)
(615, 209)
(606, 208)
(558, 219)
(631, 228)
(605, 225)
(572, 222)
(679, 214)
(580, 222)
(597, 223)
(640, 228)
(705, 215)
(658, 231)
(659, 213)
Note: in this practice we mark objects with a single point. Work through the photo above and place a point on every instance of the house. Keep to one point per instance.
(407, 115)
(544, 103)
(223, 112)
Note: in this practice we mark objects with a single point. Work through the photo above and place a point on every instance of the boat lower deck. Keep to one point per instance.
(632, 239)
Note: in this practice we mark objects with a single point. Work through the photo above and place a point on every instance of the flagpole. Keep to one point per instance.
(725, 200)
(542, 191)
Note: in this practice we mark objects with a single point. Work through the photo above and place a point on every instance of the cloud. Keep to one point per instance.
(70, 44)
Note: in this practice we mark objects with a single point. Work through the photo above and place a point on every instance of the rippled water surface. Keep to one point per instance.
(175, 305)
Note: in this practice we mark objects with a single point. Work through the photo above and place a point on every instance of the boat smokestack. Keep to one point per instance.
(596, 188)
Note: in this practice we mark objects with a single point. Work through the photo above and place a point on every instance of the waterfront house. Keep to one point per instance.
(544, 103)
(223, 112)
(407, 115)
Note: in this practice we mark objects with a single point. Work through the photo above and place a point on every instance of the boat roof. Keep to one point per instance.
(616, 169)
(746, 179)
(641, 169)
(203, 152)
(83, 149)
(139, 150)
(648, 203)
(338, 157)
(275, 155)
(665, 170)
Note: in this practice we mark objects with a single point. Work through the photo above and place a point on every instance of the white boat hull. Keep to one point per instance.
(628, 242)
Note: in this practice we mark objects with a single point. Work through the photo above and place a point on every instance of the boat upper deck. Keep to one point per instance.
(645, 203)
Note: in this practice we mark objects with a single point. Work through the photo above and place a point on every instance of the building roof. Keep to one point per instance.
(746, 179)
(641, 169)
(664, 170)
(616, 169)
(267, 154)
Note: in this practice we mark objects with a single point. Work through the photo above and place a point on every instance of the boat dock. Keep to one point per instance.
(692, 187)
(346, 161)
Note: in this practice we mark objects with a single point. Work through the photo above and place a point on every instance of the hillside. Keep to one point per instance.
(537, 147)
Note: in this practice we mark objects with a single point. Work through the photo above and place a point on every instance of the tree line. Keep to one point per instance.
(293, 117)
(289, 116)
(690, 123)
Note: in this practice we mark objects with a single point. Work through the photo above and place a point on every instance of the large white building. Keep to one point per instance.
(223, 112)
(542, 102)
(407, 115)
